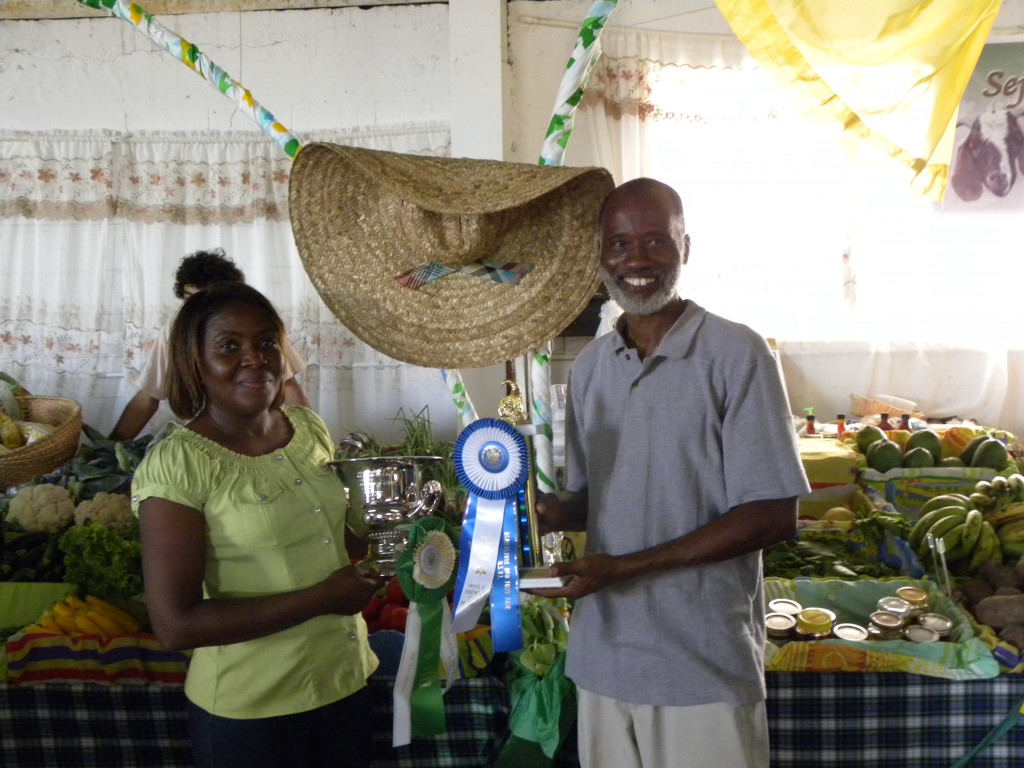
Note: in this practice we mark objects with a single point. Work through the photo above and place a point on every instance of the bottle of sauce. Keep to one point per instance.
(840, 426)
(885, 425)
(905, 422)
(810, 424)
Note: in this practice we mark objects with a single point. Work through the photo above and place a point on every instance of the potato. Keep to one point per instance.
(977, 590)
(1008, 591)
(999, 575)
(1014, 635)
(1000, 611)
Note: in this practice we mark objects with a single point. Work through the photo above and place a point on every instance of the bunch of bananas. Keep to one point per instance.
(91, 616)
(986, 525)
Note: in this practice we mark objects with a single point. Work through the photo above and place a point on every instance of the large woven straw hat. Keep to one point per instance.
(516, 245)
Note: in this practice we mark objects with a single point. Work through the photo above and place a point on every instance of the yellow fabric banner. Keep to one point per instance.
(891, 71)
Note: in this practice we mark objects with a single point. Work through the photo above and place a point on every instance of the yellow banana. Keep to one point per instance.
(75, 601)
(66, 623)
(1011, 531)
(63, 608)
(108, 628)
(85, 625)
(1014, 511)
(47, 624)
(126, 623)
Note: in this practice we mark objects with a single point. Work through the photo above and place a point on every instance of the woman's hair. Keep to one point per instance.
(204, 268)
(186, 393)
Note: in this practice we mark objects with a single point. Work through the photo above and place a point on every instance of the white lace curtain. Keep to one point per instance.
(93, 226)
(807, 237)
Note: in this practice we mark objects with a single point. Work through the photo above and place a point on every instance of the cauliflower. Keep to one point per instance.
(113, 510)
(43, 507)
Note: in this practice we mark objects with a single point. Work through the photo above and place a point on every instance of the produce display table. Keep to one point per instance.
(841, 720)
(892, 720)
(83, 725)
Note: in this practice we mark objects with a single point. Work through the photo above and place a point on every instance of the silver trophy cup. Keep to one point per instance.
(393, 495)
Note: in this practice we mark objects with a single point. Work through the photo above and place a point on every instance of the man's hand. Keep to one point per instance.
(586, 575)
(558, 514)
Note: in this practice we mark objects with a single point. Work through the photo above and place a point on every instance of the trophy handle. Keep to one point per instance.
(432, 499)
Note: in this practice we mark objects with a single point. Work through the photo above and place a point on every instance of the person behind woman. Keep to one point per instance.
(244, 558)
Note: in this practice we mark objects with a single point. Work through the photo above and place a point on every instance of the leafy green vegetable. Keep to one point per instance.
(105, 465)
(103, 562)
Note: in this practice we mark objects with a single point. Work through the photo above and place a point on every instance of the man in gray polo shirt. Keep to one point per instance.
(682, 465)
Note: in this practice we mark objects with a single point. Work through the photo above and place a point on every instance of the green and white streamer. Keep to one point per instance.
(570, 92)
(189, 55)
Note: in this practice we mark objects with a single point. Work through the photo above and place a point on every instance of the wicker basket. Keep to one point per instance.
(874, 405)
(47, 454)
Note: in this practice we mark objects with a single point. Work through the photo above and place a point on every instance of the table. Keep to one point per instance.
(889, 720)
(841, 720)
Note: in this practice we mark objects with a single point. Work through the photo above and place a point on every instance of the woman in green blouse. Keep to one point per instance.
(243, 535)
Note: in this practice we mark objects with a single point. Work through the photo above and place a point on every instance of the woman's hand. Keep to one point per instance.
(351, 588)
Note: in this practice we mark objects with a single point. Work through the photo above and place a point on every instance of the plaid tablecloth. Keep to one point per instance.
(817, 720)
(128, 726)
(854, 720)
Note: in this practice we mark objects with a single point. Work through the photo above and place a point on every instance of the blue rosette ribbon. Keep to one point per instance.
(492, 462)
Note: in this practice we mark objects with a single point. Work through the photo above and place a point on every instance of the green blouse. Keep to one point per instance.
(275, 523)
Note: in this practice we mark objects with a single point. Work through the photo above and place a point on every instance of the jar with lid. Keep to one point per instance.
(895, 605)
(780, 626)
(918, 633)
(814, 624)
(784, 605)
(885, 625)
(941, 624)
(848, 631)
(916, 598)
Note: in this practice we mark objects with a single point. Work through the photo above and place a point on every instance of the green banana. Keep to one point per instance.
(972, 530)
(952, 542)
(941, 528)
(945, 500)
(986, 549)
(918, 533)
(1012, 550)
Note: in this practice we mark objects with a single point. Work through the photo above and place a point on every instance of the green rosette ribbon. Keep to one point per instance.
(426, 570)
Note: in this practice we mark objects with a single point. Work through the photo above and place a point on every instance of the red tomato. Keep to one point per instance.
(372, 609)
(395, 594)
(394, 616)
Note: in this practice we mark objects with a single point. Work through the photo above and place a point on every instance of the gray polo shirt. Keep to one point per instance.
(662, 446)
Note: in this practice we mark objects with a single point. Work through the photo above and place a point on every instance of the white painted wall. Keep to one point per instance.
(330, 69)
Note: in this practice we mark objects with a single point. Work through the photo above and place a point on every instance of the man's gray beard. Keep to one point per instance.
(633, 306)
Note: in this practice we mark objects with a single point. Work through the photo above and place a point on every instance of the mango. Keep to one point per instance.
(868, 435)
(928, 439)
(884, 455)
(990, 453)
(918, 457)
(967, 454)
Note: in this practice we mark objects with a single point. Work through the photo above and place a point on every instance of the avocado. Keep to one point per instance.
(925, 438)
(951, 461)
(867, 436)
(972, 445)
(990, 453)
(918, 457)
(884, 455)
